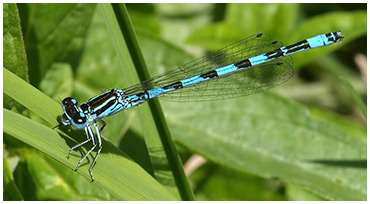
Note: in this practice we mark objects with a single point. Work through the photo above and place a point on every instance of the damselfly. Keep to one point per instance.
(248, 66)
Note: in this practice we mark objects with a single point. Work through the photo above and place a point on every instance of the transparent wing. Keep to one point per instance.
(242, 83)
(213, 89)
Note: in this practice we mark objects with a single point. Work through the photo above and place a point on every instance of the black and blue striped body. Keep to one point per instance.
(245, 67)
(318, 41)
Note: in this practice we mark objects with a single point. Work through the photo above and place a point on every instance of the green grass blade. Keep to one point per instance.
(14, 51)
(154, 121)
(15, 57)
(114, 172)
(31, 98)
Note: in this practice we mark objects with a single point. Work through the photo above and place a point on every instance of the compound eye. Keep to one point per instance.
(65, 120)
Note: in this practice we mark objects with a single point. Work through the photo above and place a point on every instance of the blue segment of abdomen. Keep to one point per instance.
(226, 70)
(317, 41)
(192, 80)
(258, 59)
(321, 40)
(158, 91)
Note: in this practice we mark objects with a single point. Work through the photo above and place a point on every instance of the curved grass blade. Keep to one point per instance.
(115, 172)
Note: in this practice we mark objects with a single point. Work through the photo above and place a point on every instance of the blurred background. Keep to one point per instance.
(70, 53)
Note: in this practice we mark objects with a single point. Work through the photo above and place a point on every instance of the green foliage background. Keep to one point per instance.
(305, 140)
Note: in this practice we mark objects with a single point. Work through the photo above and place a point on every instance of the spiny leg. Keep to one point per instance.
(91, 135)
(78, 145)
(100, 146)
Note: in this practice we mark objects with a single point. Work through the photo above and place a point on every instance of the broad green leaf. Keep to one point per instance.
(297, 193)
(54, 33)
(343, 124)
(269, 136)
(130, 181)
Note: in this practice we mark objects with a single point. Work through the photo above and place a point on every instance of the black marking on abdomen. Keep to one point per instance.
(243, 64)
(330, 37)
(298, 46)
(333, 38)
(259, 35)
(209, 75)
(176, 85)
(274, 54)
(141, 95)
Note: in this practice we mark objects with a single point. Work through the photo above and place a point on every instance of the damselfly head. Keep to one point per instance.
(73, 115)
